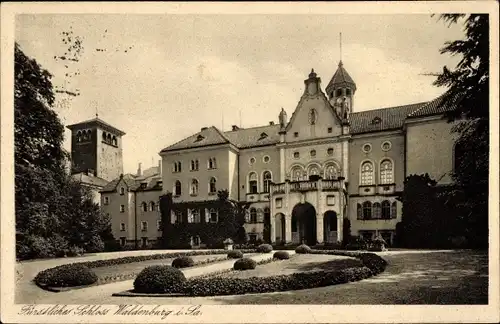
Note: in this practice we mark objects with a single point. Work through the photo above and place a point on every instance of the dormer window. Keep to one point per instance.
(376, 120)
(144, 185)
(199, 138)
(263, 135)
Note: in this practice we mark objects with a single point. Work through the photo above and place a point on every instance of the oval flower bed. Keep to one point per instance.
(111, 270)
(371, 264)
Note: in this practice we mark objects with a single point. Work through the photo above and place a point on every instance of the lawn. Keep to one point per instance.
(298, 263)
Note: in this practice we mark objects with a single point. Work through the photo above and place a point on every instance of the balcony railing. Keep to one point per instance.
(306, 185)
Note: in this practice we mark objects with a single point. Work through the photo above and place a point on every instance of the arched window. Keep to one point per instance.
(115, 142)
(122, 191)
(212, 163)
(313, 170)
(78, 137)
(194, 187)
(213, 215)
(89, 134)
(84, 135)
(367, 173)
(108, 139)
(297, 174)
(179, 166)
(192, 165)
(253, 183)
(331, 172)
(359, 211)
(196, 164)
(267, 180)
(377, 210)
(394, 210)
(386, 209)
(152, 206)
(367, 210)
(104, 138)
(144, 207)
(386, 172)
(178, 188)
(253, 215)
(213, 185)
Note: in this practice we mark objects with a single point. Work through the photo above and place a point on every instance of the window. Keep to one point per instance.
(267, 215)
(367, 210)
(144, 207)
(177, 166)
(176, 216)
(152, 206)
(297, 174)
(333, 224)
(359, 210)
(199, 138)
(195, 165)
(213, 185)
(296, 155)
(377, 210)
(144, 242)
(195, 240)
(313, 170)
(367, 173)
(267, 180)
(194, 187)
(104, 136)
(252, 160)
(367, 148)
(263, 135)
(386, 146)
(347, 92)
(213, 215)
(194, 215)
(279, 202)
(386, 209)
(158, 225)
(386, 174)
(252, 183)
(108, 138)
(296, 134)
(122, 191)
(84, 133)
(144, 185)
(115, 141)
(122, 227)
(313, 153)
(394, 210)
(212, 163)
(330, 129)
(106, 200)
(177, 188)
(252, 237)
(123, 241)
(266, 159)
(339, 92)
(329, 151)
(331, 172)
(122, 208)
(253, 216)
(144, 226)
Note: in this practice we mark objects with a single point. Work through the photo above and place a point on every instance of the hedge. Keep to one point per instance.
(67, 275)
(245, 264)
(281, 255)
(264, 248)
(159, 279)
(235, 254)
(183, 262)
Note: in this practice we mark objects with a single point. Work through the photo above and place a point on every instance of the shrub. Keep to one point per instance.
(235, 254)
(94, 245)
(244, 264)
(159, 279)
(67, 275)
(74, 251)
(281, 255)
(183, 262)
(303, 249)
(264, 248)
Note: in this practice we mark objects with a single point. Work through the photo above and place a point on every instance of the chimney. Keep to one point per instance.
(139, 170)
(159, 167)
(203, 128)
(271, 123)
(235, 128)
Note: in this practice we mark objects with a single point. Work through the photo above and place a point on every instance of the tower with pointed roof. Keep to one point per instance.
(340, 91)
(96, 149)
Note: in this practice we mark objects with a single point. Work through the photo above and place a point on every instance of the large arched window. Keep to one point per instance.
(313, 170)
(194, 187)
(152, 206)
(177, 188)
(115, 141)
(144, 207)
(386, 172)
(367, 210)
(267, 180)
(297, 173)
(367, 173)
(331, 172)
(253, 215)
(213, 185)
(252, 183)
(104, 138)
(386, 209)
(377, 210)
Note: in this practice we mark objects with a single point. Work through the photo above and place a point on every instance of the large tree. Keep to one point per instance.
(468, 90)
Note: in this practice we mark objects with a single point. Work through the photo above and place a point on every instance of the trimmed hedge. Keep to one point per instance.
(245, 264)
(303, 249)
(264, 248)
(183, 262)
(159, 279)
(281, 255)
(235, 254)
(67, 275)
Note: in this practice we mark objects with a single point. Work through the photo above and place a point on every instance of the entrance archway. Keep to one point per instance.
(330, 227)
(279, 228)
(305, 214)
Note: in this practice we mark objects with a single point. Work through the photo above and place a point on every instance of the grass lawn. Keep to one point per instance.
(297, 263)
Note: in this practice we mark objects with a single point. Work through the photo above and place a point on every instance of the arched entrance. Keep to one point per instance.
(305, 216)
(279, 228)
(330, 227)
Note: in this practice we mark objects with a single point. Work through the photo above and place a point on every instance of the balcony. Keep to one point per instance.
(306, 185)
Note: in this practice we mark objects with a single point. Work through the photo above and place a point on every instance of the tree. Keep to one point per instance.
(468, 91)
(346, 231)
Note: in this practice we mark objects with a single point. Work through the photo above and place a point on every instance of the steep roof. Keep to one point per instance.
(135, 183)
(89, 180)
(382, 119)
(433, 107)
(341, 77)
(96, 122)
(206, 137)
(254, 136)
(128, 178)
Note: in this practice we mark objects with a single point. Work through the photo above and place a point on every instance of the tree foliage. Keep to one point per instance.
(54, 213)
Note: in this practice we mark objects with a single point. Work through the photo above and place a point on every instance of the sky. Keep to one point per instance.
(160, 78)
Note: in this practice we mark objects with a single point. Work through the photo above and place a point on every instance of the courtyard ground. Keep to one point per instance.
(411, 277)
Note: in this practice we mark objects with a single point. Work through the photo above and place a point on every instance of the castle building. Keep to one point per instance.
(305, 175)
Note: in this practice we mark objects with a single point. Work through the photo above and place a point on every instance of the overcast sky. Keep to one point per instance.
(184, 72)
